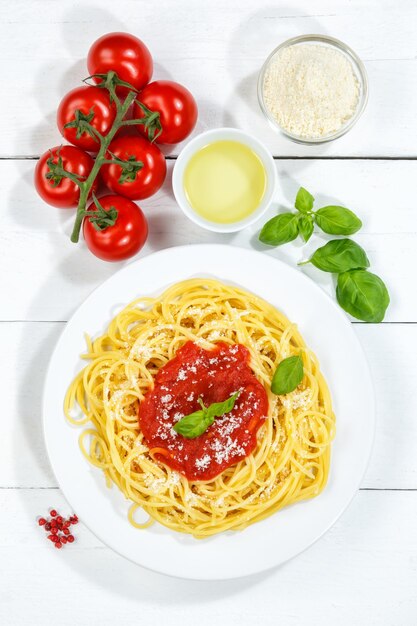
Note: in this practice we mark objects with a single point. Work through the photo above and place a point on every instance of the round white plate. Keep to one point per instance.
(283, 535)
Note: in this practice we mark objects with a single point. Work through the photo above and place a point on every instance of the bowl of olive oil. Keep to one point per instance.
(224, 180)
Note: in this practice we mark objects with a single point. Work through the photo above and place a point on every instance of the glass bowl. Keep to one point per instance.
(357, 66)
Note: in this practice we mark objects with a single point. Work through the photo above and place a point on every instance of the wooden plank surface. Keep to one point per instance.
(216, 49)
(364, 571)
(39, 260)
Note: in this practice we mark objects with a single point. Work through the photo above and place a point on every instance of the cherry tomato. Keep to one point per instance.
(124, 54)
(176, 106)
(63, 192)
(95, 107)
(139, 184)
(122, 240)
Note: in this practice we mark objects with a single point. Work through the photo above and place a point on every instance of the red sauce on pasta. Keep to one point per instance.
(213, 375)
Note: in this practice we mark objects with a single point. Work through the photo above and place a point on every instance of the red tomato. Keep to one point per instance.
(142, 183)
(176, 106)
(122, 240)
(89, 101)
(66, 193)
(124, 54)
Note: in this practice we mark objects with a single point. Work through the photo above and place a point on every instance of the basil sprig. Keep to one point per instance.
(304, 201)
(337, 220)
(280, 229)
(333, 220)
(305, 226)
(359, 292)
(363, 295)
(288, 375)
(339, 255)
(195, 424)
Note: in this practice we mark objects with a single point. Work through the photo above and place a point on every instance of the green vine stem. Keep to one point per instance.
(86, 186)
(150, 120)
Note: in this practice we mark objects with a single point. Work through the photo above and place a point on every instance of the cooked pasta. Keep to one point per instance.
(292, 455)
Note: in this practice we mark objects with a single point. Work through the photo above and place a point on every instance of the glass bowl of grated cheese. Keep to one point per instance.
(313, 88)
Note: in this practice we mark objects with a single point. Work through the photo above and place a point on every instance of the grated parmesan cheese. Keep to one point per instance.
(203, 462)
(297, 399)
(310, 90)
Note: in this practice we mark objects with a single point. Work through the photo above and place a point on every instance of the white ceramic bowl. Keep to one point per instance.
(223, 134)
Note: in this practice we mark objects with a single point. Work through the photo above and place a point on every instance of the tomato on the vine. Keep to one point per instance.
(87, 104)
(176, 107)
(124, 54)
(50, 181)
(125, 235)
(132, 180)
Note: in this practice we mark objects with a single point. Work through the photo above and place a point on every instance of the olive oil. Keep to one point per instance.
(225, 181)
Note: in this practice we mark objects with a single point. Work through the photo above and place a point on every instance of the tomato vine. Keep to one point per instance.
(81, 122)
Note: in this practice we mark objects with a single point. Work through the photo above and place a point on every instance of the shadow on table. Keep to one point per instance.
(263, 31)
(102, 567)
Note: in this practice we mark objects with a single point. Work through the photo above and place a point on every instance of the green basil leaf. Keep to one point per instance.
(337, 220)
(340, 255)
(363, 295)
(304, 201)
(280, 229)
(305, 226)
(288, 375)
(217, 409)
(193, 425)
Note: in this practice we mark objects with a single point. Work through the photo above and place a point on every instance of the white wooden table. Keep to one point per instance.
(364, 571)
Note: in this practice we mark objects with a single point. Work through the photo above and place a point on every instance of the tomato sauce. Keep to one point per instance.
(212, 375)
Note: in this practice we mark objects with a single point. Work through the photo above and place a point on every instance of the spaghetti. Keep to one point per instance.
(291, 459)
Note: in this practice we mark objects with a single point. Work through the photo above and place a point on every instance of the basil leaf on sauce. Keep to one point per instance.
(195, 424)
(288, 375)
(304, 201)
(217, 409)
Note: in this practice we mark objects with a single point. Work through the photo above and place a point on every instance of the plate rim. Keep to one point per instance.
(342, 317)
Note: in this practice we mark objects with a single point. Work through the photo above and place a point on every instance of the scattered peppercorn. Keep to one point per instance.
(58, 527)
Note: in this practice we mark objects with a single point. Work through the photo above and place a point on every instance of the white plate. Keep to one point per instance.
(283, 535)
